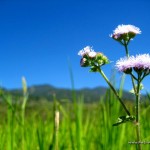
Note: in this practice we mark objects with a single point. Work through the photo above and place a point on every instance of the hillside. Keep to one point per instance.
(45, 91)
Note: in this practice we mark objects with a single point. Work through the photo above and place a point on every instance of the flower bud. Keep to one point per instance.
(128, 71)
(84, 62)
(101, 59)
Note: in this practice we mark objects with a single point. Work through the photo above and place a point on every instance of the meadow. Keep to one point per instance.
(66, 125)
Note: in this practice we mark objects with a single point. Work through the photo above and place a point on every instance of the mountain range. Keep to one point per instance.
(45, 91)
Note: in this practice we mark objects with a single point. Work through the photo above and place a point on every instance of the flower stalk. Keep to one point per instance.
(126, 49)
(127, 54)
(137, 109)
(138, 67)
(113, 89)
(25, 98)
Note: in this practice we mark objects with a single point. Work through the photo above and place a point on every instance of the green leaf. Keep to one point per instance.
(141, 88)
(124, 119)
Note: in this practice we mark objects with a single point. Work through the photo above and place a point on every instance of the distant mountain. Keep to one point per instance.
(47, 91)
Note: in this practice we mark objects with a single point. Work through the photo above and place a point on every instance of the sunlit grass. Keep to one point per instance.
(82, 126)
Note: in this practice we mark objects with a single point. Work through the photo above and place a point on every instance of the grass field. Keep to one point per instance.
(64, 125)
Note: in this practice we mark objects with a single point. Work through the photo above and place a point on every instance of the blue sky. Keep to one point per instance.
(39, 39)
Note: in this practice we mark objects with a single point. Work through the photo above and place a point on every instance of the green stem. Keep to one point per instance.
(56, 124)
(138, 113)
(127, 54)
(126, 49)
(23, 120)
(25, 97)
(133, 76)
(137, 93)
(112, 88)
(134, 87)
(144, 75)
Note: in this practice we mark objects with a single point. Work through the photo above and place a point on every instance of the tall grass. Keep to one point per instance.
(81, 126)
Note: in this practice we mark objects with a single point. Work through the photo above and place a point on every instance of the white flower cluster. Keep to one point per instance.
(121, 29)
(125, 29)
(141, 61)
(87, 51)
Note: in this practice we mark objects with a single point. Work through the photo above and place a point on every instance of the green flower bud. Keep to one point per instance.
(101, 59)
(128, 71)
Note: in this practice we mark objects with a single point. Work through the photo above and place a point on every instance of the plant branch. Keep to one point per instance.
(137, 94)
(112, 88)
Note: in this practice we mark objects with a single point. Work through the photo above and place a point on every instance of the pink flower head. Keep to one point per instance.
(124, 64)
(124, 31)
(92, 58)
(85, 51)
(138, 62)
(92, 54)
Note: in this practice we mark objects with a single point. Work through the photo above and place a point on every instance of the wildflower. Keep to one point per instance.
(124, 65)
(140, 63)
(125, 32)
(92, 59)
(92, 54)
(85, 51)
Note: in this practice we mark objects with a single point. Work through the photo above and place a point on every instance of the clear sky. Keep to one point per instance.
(39, 39)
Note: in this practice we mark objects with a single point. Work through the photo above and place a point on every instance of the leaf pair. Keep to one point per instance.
(124, 119)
